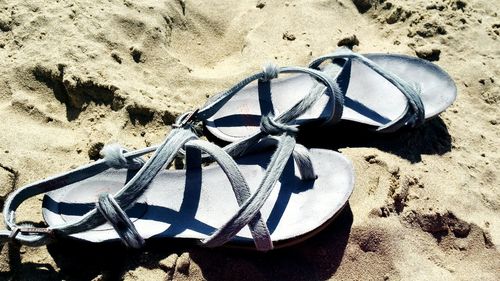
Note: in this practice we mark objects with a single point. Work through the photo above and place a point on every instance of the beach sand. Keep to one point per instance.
(76, 75)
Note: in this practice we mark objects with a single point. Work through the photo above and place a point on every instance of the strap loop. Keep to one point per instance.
(273, 127)
(270, 71)
(185, 118)
(114, 157)
(115, 215)
(303, 160)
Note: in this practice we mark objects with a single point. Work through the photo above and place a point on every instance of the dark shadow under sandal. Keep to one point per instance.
(383, 91)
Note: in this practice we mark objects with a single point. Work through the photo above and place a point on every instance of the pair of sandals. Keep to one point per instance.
(263, 179)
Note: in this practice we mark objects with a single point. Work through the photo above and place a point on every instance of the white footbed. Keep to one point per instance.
(370, 99)
(173, 208)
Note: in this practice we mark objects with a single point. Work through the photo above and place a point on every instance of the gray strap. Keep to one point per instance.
(258, 227)
(114, 157)
(273, 127)
(239, 148)
(34, 236)
(252, 206)
(31, 236)
(269, 72)
(336, 97)
(236, 149)
(112, 212)
(270, 124)
(127, 196)
(414, 113)
(300, 154)
(302, 158)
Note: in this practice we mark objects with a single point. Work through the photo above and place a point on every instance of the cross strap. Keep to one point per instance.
(270, 124)
(115, 215)
(125, 197)
(239, 148)
(252, 206)
(269, 72)
(258, 227)
(414, 113)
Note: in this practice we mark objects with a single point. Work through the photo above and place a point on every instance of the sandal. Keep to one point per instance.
(283, 196)
(386, 92)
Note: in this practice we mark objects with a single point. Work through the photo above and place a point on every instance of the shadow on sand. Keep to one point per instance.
(432, 138)
(317, 257)
(410, 144)
(25, 270)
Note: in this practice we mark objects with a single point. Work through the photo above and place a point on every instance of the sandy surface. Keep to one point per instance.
(426, 205)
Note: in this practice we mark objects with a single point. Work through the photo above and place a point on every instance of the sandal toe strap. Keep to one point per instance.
(414, 113)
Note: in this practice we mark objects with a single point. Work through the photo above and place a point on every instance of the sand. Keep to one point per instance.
(75, 75)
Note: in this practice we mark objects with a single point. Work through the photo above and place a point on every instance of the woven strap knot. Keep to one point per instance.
(273, 127)
(113, 155)
(269, 71)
